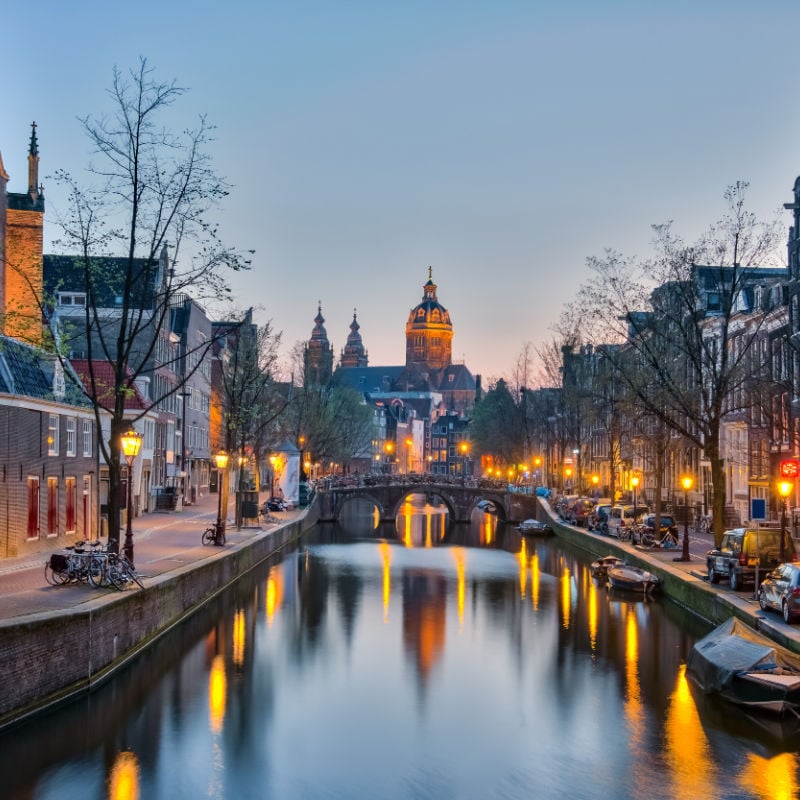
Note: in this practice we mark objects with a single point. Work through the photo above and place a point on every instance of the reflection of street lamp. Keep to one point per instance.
(686, 483)
(221, 460)
(784, 490)
(131, 442)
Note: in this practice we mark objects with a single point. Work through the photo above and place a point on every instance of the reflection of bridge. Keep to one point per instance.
(460, 498)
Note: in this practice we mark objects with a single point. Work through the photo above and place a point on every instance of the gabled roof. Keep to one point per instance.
(104, 384)
(27, 371)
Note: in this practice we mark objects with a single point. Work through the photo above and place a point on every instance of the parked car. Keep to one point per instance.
(598, 517)
(579, 512)
(740, 552)
(781, 590)
(564, 504)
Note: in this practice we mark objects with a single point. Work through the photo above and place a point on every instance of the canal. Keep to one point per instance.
(414, 661)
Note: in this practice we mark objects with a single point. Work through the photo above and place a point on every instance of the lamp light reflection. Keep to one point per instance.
(238, 638)
(217, 690)
(123, 783)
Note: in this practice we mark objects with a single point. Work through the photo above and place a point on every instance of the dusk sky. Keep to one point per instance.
(501, 142)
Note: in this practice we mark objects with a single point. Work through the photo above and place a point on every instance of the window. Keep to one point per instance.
(52, 435)
(52, 506)
(87, 438)
(72, 434)
(71, 299)
(71, 495)
(33, 507)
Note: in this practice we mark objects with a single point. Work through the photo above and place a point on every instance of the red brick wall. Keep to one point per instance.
(23, 275)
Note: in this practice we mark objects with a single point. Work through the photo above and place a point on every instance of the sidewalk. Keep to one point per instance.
(162, 541)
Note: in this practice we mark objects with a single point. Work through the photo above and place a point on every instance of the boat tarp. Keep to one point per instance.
(733, 649)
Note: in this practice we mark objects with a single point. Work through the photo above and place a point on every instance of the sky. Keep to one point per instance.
(500, 142)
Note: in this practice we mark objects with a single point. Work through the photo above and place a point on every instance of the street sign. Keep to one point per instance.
(790, 468)
(758, 508)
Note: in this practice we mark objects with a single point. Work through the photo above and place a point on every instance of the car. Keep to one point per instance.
(579, 512)
(741, 551)
(598, 518)
(780, 590)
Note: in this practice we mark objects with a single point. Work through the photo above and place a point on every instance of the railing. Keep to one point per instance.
(411, 479)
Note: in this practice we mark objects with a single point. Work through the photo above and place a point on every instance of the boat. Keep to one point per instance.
(534, 526)
(600, 566)
(632, 579)
(743, 666)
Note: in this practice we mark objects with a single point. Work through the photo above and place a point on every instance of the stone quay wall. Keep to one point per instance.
(52, 656)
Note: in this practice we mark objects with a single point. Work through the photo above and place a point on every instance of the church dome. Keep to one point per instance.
(429, 331)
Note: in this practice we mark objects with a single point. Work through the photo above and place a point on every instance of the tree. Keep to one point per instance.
(677, 316)
(150, 191)
(497, 426)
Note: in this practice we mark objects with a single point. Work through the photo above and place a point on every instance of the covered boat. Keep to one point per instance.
(632, 579)
(745, 667)
(600, 566)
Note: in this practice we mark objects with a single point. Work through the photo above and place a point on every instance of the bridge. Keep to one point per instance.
(460, 496)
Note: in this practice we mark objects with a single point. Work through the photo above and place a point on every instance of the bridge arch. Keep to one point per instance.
(430, 493)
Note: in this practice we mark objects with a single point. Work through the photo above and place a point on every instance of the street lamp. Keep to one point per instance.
(131, 442)
(784, 490)
(634, 484)
(388, 448)
(595, 484)
(686, 483)
(464, 448)
(221, 460)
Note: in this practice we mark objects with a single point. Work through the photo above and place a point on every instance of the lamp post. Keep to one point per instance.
(595, 485)
(221, 460)
(577, 453)
(686, 483)
(131, 442)
(784, 490)
(634, 484)
(464, 448)
(388, 448)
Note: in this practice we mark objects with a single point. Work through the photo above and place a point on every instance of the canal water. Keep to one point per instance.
(409, 661)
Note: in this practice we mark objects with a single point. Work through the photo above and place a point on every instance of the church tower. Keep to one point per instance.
(354, 354)
(429, 332)
(21, 249)
(318, 353)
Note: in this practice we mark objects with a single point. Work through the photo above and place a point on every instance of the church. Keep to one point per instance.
(426, 401)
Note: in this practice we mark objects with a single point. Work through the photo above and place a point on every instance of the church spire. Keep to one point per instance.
(33, 165)
(354, 354)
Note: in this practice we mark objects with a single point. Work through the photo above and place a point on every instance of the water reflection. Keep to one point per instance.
(414, 660)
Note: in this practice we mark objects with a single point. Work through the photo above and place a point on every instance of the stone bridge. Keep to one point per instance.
(460, 498)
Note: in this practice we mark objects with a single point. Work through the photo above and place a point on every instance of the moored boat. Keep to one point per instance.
(632, 579)
(600, 566)
(746, 668)
(534, 526)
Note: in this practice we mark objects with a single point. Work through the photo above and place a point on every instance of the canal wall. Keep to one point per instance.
(52, 656)
(684, 585)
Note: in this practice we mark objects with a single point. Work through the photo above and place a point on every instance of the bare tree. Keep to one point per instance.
(140, 234)
(676, 315)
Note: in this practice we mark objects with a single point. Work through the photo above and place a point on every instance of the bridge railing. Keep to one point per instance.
(412, 479)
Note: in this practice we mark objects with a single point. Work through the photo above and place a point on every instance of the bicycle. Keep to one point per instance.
(119, 571)
(667, 541)
(706, 524)
(212, 535)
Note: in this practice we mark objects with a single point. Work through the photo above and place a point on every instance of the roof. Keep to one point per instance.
(104, 384)
(27, 371)
(368, 379)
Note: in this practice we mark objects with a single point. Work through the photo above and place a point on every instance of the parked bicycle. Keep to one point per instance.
(213, 534)
(668, 540)
(99, 567)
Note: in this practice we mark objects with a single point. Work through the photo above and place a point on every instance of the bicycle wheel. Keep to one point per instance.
(648, 540)
(131, 573)
(209, 534)
(114, 574)
(97, 572)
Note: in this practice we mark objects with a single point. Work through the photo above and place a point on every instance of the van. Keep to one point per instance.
(622, 517)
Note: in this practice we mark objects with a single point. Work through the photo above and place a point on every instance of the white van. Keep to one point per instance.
(622, 517)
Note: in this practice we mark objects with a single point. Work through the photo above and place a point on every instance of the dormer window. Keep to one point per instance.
(72, 299)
